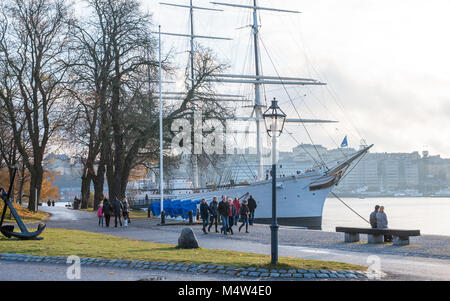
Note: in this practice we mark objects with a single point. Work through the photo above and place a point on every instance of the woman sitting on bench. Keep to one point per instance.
(382, 223)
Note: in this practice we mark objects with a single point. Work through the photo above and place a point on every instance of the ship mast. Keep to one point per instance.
(191, 56)
(258, 106)
(192, 36)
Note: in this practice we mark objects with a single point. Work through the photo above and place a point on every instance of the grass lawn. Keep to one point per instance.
(26, 215)
(138, 214)
(63, 242)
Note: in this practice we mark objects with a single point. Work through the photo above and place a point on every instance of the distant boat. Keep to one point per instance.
(442, 193)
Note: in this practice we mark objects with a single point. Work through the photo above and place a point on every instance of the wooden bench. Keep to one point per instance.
(401, 237)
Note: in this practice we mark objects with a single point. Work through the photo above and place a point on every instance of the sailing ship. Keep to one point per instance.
(301, 196)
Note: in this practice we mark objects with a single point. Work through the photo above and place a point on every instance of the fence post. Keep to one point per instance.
(190, 213)
(163, 217)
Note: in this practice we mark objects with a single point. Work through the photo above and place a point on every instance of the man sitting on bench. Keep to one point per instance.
(373, 217)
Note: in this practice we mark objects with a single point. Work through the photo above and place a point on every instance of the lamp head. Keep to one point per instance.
(274, 119)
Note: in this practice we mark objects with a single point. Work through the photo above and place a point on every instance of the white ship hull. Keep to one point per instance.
(300, 198)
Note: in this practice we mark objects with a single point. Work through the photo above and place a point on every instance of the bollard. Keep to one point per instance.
(163, 217)
(148, 212)
(190, 213)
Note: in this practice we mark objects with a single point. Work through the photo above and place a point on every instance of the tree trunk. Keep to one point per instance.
(99, 182)
(21, 183)
(35, 185)
(98, 179)
(85, 189)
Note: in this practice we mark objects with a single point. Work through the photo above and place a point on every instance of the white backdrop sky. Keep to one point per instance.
(388, 62)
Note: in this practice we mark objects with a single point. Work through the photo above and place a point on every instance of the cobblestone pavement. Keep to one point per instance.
(193, 268)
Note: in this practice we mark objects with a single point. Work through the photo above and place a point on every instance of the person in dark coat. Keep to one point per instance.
(204, 214)
(118, 211)
(214, 213)
(232, 213)
(244, 212)
(251, 206)
(107, 210)
(224, 211)
(373, 217)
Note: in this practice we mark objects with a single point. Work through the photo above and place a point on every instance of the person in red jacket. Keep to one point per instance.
(100, 214)
(231, 215)
(236, 205)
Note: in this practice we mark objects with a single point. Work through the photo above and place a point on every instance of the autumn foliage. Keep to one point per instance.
(48, 190)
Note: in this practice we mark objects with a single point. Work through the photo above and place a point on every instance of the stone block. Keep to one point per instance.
(401, 241)
(351, 237)
(375, 239)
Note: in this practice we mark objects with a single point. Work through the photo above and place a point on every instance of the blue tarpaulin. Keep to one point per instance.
(175, 208)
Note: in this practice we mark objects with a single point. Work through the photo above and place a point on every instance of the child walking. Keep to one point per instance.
(100, 214)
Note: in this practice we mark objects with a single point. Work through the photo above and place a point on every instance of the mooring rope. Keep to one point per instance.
(349, 207)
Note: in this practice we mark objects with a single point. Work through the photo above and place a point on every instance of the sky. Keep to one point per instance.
(386, 64)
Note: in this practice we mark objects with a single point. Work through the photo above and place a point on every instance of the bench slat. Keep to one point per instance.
(395, 232)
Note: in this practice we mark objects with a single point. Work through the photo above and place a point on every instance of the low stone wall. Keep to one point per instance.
(198, 268)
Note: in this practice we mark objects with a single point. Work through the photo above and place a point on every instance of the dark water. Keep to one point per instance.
(429, 215)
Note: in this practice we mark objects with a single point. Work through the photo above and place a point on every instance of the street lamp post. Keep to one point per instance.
(161, 158)
(274, 119)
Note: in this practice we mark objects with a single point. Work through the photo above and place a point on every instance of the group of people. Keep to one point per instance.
(229, 211)
(118, 209)
(378, 220)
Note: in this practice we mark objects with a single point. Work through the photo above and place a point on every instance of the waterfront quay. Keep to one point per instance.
(426, 258)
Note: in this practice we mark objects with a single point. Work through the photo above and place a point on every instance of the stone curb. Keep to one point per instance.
(194, 268)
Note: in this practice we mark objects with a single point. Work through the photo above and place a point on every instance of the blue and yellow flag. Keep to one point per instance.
(344, 142)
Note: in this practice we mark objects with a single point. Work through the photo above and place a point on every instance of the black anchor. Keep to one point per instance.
(8, 230)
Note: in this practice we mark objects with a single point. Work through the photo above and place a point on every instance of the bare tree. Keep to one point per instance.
(117, 122)
(34, 41)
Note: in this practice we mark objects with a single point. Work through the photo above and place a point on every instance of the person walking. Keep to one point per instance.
(236, 205)
(373, 217)
(214, 213)
(252, 207)
(118, 211)
(100, 214)
(126, 212)
(204, 214)
(244, 212)
(231, 215)
(107, 210)
(223, 210)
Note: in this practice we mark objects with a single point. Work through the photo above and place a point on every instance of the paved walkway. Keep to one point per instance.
(427, 258)
(29, 271)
